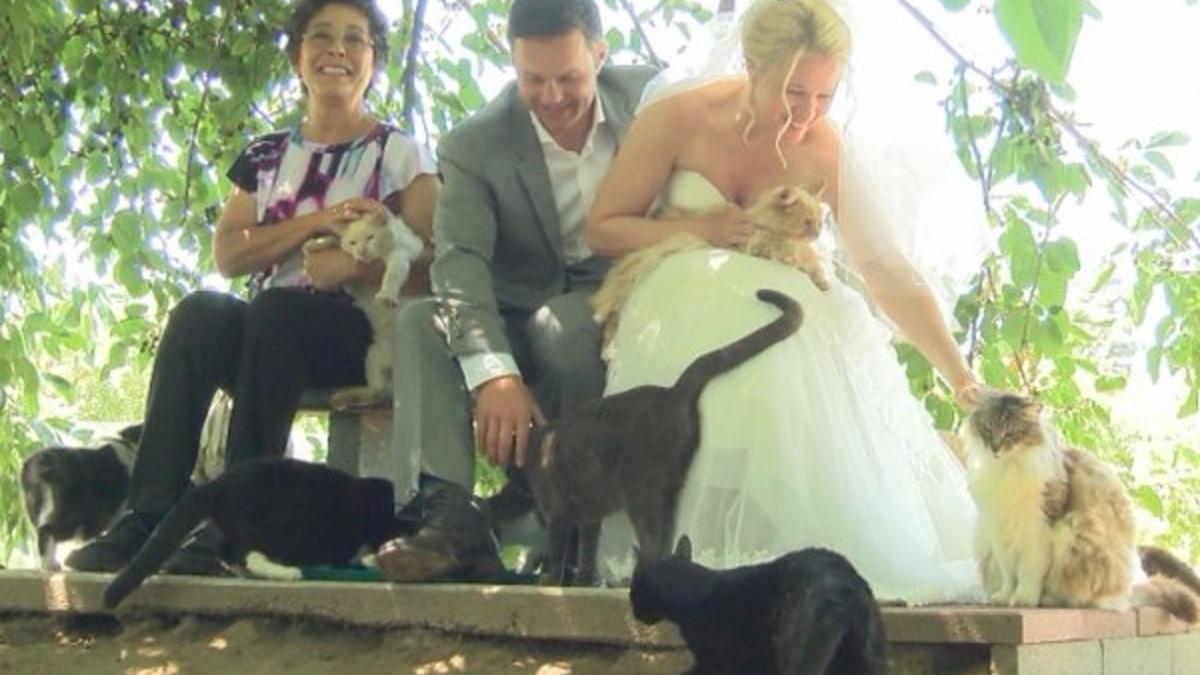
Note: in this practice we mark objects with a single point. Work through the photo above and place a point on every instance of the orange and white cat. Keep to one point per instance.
(1056, 526)
(786, 219)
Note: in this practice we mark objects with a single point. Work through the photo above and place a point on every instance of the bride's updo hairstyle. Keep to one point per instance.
(782, 31)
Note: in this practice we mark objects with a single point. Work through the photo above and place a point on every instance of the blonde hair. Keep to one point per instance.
(779, 31)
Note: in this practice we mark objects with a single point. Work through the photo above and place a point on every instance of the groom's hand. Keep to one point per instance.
(504, 412)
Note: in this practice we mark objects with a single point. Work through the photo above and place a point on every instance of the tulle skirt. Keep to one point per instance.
(815, 442)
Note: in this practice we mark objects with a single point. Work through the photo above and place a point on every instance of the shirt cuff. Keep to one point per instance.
(484, 366)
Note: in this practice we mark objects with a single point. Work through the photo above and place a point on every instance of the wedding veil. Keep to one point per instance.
(900, 179)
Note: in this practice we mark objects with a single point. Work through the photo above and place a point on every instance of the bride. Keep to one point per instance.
(818, 441)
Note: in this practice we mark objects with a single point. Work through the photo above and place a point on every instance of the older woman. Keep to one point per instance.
(299, 330)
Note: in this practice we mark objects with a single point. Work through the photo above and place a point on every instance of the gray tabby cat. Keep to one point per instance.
(632, 451)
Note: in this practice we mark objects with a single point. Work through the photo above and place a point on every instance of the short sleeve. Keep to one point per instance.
(262, 153)
(403, 160)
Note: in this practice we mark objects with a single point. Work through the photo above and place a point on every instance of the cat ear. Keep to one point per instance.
(683, 549)
(819, 190)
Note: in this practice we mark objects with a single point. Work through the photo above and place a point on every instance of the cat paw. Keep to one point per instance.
(1000, 598)
(1024, 599)
(387, 299)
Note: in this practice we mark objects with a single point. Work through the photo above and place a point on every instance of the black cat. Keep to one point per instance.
(75, 492)
(631, 451)
(805, 613)
(294, 513)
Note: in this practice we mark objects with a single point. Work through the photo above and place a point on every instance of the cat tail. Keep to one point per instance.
(192, 509)
(732, 355)
(1172, 595)
(1160, 561)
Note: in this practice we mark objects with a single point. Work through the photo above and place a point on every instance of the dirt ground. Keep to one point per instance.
(148, 645)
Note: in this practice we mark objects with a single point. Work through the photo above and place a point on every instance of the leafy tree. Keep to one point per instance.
(120, 116)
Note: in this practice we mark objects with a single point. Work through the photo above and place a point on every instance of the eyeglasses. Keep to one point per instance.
(354, 41)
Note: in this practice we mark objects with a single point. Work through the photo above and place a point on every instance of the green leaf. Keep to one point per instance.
(955, 5)
(1061, 255)
(26, 199)
(1102, 279)
(1111, 383)
(925, 77)
(1147, 497)
(1042, 33)
(1192, 403)
(1164, 138)
(1160, 162)
(1018, 244)
(34, 137)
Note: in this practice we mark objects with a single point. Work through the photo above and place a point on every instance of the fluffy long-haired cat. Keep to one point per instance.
(75, 492)
(1055, 527)
(292, 512)
(787, 220)
(369, 238)
(632, 451)
(807, 612)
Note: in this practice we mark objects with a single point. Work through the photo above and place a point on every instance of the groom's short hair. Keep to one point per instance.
(545, 18)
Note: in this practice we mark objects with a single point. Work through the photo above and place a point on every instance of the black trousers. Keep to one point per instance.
(265, 353)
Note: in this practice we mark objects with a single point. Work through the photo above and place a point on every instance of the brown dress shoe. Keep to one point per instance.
(453, 542)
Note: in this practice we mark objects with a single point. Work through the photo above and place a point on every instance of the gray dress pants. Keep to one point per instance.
(557, 348)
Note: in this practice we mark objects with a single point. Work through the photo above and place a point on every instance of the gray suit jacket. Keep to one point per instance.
(496, 229)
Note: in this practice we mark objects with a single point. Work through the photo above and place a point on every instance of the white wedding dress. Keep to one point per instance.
(815, 442)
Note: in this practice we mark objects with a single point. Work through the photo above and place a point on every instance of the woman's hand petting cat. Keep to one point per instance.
(329, 268)
(504, 412)
(728, 228)
(349, 210)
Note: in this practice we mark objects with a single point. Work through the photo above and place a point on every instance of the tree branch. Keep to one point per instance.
(1089, 146)
(985, 179)
(185, 208)
(410, 64)
(487, 31)
(637, 25)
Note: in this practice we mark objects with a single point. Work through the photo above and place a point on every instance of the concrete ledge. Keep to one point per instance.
(578, 615)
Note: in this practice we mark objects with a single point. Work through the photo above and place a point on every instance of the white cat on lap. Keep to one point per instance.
(367, 239)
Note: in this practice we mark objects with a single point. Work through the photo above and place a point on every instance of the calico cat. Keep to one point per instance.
(631, 451)
(807, 612)
(1055, 527)
(293, 512)
(787, 221)
(367, 239)
(75, 492)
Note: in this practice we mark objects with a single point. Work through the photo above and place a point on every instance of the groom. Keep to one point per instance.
(508, 339)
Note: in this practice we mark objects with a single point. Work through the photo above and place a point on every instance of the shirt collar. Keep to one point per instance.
(546, 139)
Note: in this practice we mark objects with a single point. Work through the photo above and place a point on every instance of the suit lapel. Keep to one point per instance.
(616, 113)
(534, 177)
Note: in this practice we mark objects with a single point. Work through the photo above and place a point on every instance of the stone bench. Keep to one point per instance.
(359, 438)
(941, 640)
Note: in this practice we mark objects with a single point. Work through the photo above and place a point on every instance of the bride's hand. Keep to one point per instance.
(728, 227)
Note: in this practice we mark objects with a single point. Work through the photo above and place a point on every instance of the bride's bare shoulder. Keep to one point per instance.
(693, 109)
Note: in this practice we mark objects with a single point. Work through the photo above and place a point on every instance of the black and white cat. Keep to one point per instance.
(807, 612)
(292, 512)
(632, 451)
(76, 492)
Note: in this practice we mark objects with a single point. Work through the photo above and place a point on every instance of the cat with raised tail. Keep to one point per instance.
(1056, 526)
(631, 451)
(808, 612)
(292, 512)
